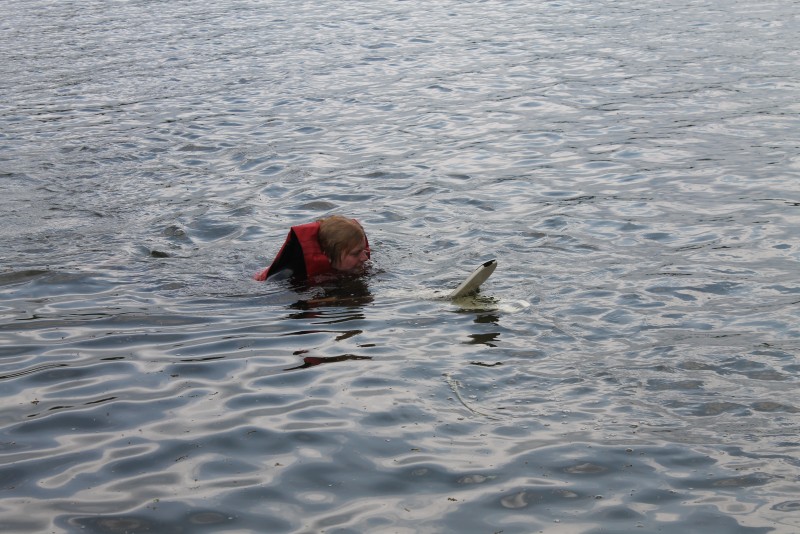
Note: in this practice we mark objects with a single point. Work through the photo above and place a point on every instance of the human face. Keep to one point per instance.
(353, 260)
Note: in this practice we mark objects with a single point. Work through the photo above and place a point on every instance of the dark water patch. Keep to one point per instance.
(771, 406)
(10, 278)
(684, 385)
(787, 506)
(163, 516)
(311, 361)
(31, 370)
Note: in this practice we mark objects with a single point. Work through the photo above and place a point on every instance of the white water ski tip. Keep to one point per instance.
(474, 280)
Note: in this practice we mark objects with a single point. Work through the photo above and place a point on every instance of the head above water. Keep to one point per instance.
(344, 242)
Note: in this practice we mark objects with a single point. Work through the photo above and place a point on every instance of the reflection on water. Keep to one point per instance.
(311, 361)
(631, 365)
(334, 302)
(351, 292)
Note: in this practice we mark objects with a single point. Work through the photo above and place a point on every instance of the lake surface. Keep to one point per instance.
(631, 366)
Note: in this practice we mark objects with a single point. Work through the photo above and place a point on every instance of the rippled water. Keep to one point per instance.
(631, 366)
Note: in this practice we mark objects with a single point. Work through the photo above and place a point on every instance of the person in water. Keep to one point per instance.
(333, 244)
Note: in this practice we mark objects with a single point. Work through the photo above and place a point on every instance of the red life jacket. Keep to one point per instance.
(314, 259)
(307, 235)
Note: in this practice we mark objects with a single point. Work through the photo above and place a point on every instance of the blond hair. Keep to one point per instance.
(339, 235)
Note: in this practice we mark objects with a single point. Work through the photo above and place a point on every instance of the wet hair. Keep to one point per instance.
(338, 235)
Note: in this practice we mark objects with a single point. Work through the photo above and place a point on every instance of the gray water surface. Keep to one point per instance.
(631, 366)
